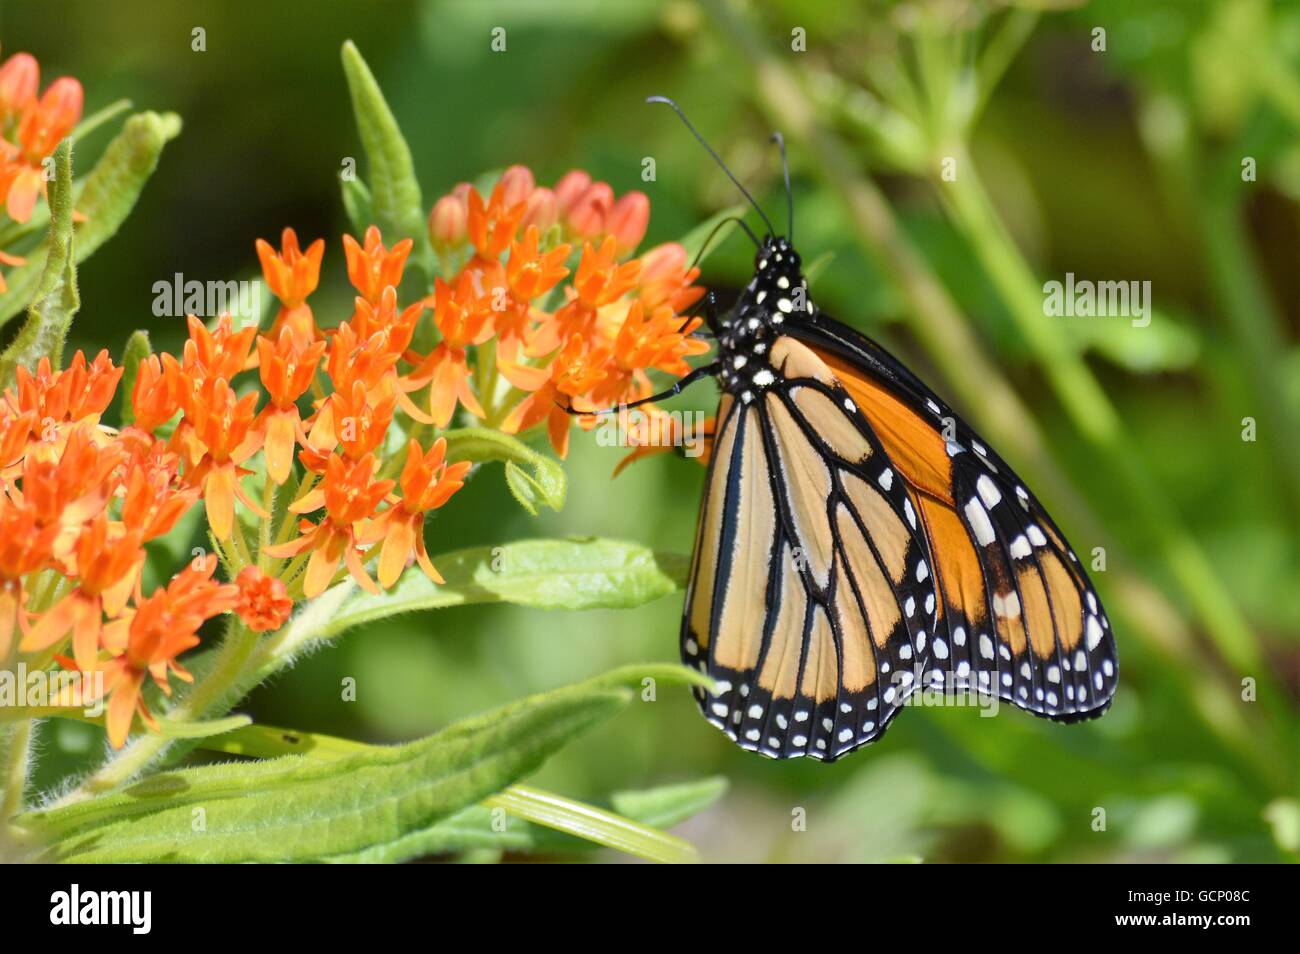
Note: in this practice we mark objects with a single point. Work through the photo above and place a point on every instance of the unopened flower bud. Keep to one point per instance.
(447, 222)
(628, 220)
(587, 216)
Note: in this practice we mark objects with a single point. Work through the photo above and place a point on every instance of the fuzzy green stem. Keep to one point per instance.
(15, 764)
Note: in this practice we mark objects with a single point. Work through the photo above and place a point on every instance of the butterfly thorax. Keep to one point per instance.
(776, 295)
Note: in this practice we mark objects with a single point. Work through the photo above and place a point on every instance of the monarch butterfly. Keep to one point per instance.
(857, 541)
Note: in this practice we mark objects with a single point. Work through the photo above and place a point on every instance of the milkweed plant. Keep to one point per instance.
(289, 470)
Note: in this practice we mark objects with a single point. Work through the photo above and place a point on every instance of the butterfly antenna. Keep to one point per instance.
(716, 158)
(718, 228)
(789, 196)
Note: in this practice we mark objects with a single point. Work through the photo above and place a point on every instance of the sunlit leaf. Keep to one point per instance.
(543, 483)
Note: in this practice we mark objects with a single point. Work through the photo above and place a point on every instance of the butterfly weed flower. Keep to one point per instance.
(350, 494)
(372, 268)
(147, 639)
(292, 276)
(427, 482)
(287, 367)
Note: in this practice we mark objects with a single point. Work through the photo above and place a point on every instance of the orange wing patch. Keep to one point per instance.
(916, 448)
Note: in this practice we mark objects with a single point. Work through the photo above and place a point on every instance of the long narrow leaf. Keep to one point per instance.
(395, 200)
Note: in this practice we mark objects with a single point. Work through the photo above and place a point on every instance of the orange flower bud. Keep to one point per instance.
(571, 188)
(264, 603)
(19, 78)
(543, 210)
(628, 220)
(447, 222)
(517, 184)
(588, 214)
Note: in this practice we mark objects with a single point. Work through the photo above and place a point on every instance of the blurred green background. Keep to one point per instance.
(1122, 163)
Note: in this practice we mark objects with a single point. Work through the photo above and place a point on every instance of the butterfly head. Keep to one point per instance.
(778, 289)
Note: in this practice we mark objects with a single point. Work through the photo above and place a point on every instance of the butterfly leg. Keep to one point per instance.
(703, 371)
(709, 305)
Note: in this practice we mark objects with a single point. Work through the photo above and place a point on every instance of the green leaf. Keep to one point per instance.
(298, 809)
(395, 200)
(668, 805)
(106, 198)
(201, 730)
(136, 350)
(543, 574)
(55, 301)
(356, 202)
(594, 824)
(528, 492)
(546, 484)
(99, 118)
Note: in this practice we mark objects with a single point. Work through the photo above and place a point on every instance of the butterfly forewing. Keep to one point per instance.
(811, 599)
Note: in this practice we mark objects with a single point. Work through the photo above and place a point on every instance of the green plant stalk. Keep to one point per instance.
(1251, 314)
(1095, 416)
(1235, 279)
(15, 764)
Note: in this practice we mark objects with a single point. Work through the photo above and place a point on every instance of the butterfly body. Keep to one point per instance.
(858, 543)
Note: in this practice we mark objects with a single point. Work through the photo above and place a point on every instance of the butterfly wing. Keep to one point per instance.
(1018, 615)
(810, 592)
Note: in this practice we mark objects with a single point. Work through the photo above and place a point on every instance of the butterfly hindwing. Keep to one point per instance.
(1020, 619)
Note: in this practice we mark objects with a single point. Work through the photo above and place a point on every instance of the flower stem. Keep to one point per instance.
(15, 763)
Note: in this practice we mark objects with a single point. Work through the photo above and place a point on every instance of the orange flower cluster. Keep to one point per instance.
(589, 343)
(359, 407)
(31, 125)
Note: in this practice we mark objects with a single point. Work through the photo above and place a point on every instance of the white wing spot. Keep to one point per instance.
(979, 523)
(1094, 633)
(988, 491)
